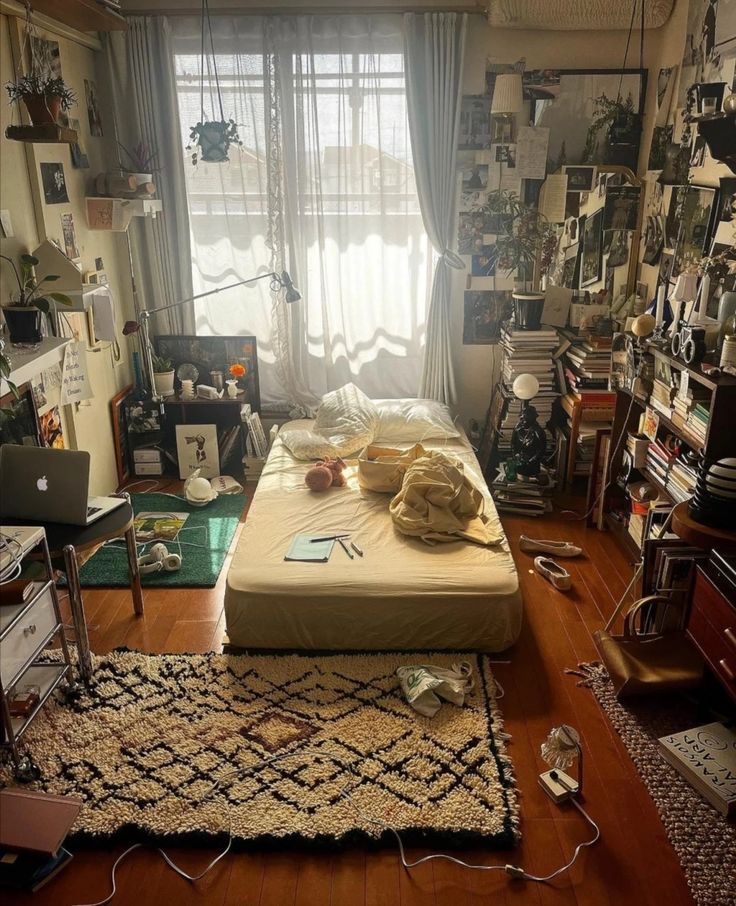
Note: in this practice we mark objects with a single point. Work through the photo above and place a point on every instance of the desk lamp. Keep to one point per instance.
(507, 100)
(278, 282)
(559, 751)
(528, 440)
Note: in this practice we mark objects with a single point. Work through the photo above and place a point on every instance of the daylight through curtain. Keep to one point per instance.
(324, 186)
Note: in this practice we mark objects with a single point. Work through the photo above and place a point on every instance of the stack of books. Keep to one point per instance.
(587, 362)
(524, 496)
(681, 480)
(661, 398)
(706, 758)
(33, 827)
(659, 461)
(697, 422)
(683, 403)
(585, 447)
(526, 352)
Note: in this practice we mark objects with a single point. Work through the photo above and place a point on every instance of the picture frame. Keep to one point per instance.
(215, 354)
(484, 313)
(120, 434)
(696, 214)
(591, 264)
(19, 418)
(197, 448)
(53, 182)
(581, 178)
(621, 208)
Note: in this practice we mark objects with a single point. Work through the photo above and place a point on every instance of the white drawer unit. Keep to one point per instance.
(28, 634)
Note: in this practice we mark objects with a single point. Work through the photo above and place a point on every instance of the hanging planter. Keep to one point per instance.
(211, 141)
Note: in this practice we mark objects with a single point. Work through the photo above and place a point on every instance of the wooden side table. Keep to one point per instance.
(699, 535)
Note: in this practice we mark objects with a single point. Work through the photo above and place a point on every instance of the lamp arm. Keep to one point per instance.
(146, 313)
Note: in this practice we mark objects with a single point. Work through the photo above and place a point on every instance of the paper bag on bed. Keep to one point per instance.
(382, 469)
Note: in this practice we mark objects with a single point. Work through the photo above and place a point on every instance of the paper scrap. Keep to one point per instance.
(553, 197)
(531, 152)
(75, 385)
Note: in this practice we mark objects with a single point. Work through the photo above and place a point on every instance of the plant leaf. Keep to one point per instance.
(42, 304)
(49, 278)
(62, 298)
(29, 260)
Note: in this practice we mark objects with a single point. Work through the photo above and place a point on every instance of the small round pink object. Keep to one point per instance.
(318, 478)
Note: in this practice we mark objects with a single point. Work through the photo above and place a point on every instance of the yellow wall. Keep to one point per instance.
(87, 425)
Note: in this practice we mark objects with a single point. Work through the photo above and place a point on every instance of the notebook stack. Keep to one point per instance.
(587, 362)
(524, 496)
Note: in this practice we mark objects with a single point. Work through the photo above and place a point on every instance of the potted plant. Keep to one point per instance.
(212, 140)
(623, 130)
(163, 375)
(524, 244)
(45, 96)
(23, 315)
(143, 162)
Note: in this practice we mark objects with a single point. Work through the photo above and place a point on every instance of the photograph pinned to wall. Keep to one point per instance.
(484, 313)
(580, 179)
(653, 239)
(665, 91)
(618, 253)
(697, 153)
(142, 416)
(502, 130)
(666, 262)
(591, 268)
(71, 249)
(80, 161)
(93, 108)
(54, 184)
(602, 181)
(661, 140)
(570, 268)
(695, 219)
(472, 201)
(50, 429)
(470, 232)
(475, 123)
(727, 199)
(621, 209)
(196, 448)
(475, 178)
(576, 107)
(484, 263)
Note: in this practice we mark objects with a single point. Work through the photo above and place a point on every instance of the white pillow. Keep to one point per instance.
(346, 418)
(413, 420)
(305, 444)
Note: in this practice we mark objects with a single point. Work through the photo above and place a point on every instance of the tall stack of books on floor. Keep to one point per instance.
(525, 352)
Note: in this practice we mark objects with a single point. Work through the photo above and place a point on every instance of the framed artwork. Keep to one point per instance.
(54, 184)
(215, 354)
(580, 179)
(570, 266)
(591, 267)
(621, 209)
(563, 100)
(196, 448)
(120, 434)
(696, 213)
(18, 419)
(484, 312)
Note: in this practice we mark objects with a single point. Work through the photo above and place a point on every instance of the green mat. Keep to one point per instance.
(201, 565)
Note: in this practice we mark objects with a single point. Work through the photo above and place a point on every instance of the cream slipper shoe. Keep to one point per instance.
(553, 572)
(556, 548)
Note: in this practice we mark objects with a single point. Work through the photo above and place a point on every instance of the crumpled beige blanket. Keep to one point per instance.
(438, 503)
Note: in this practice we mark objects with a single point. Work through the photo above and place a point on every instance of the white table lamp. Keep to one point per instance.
(508, 95)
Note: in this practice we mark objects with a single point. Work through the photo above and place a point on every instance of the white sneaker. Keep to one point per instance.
(557, 548)
(553, 572)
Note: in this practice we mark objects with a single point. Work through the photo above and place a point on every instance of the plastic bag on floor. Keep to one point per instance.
(425, 685)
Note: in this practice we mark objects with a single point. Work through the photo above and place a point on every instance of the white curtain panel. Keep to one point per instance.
(324, 186)
(146, 109)
(434, 51)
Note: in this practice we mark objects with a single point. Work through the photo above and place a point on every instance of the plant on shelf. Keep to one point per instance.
(622, 125)
(163, 375)
(23, 314)
(45, 96)
(142, 158)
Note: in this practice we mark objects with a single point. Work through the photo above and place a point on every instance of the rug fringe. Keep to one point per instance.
(589, 672)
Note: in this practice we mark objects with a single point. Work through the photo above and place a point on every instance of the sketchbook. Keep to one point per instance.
(302, 548)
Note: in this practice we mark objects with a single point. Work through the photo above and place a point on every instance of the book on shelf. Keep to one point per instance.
(706, 757)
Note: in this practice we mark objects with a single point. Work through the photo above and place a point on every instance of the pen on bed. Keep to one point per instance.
(328, 538)
(357, 550)
(345, 548)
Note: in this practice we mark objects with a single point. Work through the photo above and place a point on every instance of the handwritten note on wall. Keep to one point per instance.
(75, 385)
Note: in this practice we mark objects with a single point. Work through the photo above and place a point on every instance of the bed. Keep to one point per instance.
(403, 594)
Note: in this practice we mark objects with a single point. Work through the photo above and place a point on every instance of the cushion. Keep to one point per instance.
(305, 444)
(347, 419)
(413, 420)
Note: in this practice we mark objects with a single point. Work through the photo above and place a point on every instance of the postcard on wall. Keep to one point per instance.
(70, 236)
(104, 214)
(196, 447)
(80, 161)
(50, 429)
(531, 152)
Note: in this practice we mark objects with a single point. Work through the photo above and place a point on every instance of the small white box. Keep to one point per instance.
(146, 454)
(149, 468)
(253, 467)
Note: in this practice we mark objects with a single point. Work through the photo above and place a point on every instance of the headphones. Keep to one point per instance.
(158, 559)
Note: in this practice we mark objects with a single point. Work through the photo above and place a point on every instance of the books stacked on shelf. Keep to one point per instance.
(526, 496)
(526, 352)
(681, 479)
(697, 422)
(661, 398)
(585, 446)
(659, 461)
(587, 363)
(684, 402)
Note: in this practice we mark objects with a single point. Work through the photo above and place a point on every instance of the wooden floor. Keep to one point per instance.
(632, 865)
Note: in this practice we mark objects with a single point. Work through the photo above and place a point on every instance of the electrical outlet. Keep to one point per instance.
(558, 785)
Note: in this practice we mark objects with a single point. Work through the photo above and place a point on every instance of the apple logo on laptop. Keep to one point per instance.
(42, 484)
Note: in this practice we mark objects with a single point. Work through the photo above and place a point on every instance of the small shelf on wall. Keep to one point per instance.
(51, 260)
(115, 214)
(26, 363)
(83, 15)
(49, 134)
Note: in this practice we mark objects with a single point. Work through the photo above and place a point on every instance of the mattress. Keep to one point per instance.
(402, 594)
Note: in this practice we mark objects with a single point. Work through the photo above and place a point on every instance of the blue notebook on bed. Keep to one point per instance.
(302, 548)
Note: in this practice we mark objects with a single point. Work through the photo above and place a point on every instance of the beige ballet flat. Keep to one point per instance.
(553, 572)
(555, 548)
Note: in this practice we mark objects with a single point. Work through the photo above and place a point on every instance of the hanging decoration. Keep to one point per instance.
(210, 139)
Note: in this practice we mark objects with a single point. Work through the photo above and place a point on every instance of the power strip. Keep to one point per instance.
(558, 785)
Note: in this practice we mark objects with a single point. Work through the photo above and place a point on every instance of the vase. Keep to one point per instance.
(164, 382)
(24, 324)
(232, 389)
(528, 309)
(41, 109)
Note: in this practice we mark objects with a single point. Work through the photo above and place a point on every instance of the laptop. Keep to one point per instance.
(45, 485)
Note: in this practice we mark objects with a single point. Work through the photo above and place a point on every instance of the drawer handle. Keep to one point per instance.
(30, 630)
(723, 664)
(730, 635)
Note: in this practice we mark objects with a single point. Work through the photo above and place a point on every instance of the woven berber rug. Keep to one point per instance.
(280, 749)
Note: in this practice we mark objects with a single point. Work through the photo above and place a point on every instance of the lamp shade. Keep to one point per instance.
(508, 96)
(686, 288)
(526, 387)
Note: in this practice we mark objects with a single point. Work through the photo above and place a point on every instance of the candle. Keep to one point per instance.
(660, 306)
(703, 302)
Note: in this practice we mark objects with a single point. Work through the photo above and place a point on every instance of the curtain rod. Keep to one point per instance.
(479, 7)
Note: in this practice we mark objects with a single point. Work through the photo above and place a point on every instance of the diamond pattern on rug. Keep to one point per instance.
(186, 746)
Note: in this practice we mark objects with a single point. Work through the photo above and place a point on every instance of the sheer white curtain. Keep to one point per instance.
(324, 186)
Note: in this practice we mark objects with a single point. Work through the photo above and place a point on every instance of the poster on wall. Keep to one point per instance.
(54, 184)
(71, 248)
(484, 313)
(196, 448)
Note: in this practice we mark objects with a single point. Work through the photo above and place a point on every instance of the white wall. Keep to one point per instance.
(87, 425)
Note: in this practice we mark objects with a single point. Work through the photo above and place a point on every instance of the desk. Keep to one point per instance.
(66, 541)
